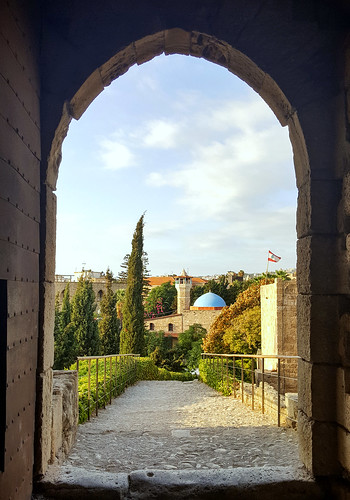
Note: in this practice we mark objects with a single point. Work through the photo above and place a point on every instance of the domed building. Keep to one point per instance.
(208, 302)
(205, 309)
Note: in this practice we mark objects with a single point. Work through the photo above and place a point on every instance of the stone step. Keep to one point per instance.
(248, 483)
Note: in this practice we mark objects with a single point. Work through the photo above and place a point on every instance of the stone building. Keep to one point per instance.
(56, 58)
(203, 311)
(279, 329)
(98, 286)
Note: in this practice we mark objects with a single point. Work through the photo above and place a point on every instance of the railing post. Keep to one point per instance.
(263, 385)
(116, 375)
(96, 387)
(242, 381)
(279, 392)
(252, 375)
(104, 383)
(89, 386)
(110, 379)
(234, 374)
(227, 377)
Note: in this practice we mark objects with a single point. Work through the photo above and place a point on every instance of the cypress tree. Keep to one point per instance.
(66, 308)
(132, 334)
(65, 340)
(109, 324)
(57, 335)
(84, 323)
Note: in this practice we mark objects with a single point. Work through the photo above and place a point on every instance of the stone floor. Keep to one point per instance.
(179, 440)
(174, 425)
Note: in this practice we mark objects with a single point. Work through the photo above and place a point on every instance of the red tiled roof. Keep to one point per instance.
(159, 280)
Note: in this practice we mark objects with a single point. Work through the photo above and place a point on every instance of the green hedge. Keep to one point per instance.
(147, 370)
(218, 373)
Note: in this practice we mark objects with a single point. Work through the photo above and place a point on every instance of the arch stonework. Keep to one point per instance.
(56, 58)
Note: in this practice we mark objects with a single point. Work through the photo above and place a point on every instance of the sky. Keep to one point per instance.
(197, 150)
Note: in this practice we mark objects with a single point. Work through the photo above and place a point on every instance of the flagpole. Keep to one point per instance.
(267, 267)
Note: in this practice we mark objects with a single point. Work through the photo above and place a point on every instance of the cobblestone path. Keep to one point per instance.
(180, 425)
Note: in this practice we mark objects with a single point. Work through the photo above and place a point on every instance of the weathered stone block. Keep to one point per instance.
(47, 322)
(149, 47)
(317, 391)
(43, 422)
(317, 446)
(118, 65)
(90, 89)
(177, 41)
(65, 383)
(56, 431)
(315, 253)
(344, 448)
(318, 328)
(48, 236)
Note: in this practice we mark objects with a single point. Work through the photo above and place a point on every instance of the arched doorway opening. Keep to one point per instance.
(217, 51)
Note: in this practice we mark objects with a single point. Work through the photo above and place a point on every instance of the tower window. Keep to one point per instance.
(151, 326)
(170, 327)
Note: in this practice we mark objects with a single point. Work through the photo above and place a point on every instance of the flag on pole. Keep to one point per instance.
(272, 257)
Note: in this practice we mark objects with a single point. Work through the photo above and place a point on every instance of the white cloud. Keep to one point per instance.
(116, 155)
(241, 168)
(160, 134)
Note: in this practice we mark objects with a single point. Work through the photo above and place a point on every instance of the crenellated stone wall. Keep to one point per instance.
(65, 413)
(279, 328)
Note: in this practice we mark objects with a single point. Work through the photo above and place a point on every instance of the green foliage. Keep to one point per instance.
(244, 334)
(161, 299)
(214, 342)
(83, 322)
(190, 345)
(65, 340)
(132, 334)
(157, 340)
(184, 356)
(58, 365)
(109, 324)
(224, 374)
(123, 274)
(147, 370)
(119, 375)
(66, 308)
(221, 287)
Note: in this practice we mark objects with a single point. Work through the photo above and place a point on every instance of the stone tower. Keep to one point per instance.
(183, 285)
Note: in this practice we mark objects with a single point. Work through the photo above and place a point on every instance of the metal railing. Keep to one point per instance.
(261, 380)
(102, 378)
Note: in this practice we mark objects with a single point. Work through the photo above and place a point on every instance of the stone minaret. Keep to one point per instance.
(183, 285)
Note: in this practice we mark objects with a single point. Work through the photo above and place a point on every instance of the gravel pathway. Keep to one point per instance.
(180, 425)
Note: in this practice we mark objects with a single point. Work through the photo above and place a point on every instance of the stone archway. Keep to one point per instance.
(296, 55)
(179, 41)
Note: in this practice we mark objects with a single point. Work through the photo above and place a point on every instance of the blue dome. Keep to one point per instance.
(209, 300)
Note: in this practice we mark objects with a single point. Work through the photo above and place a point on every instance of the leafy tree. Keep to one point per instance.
(83, 323)
(244, 334)
(132, 333)
(221, 287)
(161, 298)
(249, 298)
(109, 324)
(282, 274)
(190, 345)
(156, 341)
